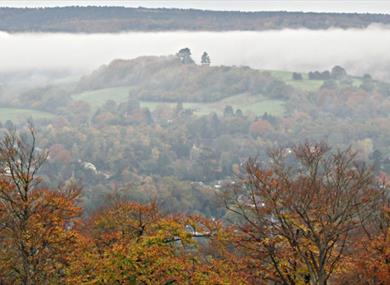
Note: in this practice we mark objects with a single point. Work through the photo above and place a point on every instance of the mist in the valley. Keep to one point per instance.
(359, 51)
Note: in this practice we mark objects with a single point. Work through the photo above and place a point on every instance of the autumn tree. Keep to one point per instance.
(297, 218)
(260, 127)
(36, 223)
(369, 257)
(131, 243)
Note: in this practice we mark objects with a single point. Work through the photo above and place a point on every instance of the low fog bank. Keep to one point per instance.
(36, 77)
(359, 51)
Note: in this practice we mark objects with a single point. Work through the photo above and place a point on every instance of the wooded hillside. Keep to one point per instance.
(119, 19)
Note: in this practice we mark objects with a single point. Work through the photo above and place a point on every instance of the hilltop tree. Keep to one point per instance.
(185, 56)
(338, 72)
(205, 60)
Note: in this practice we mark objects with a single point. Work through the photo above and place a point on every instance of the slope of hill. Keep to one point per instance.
(167, 79)
(254, 104)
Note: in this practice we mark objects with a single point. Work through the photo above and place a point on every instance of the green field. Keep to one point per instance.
(255, 104)
(19, 115)
(247, 103)
(97, 98)
(305, 84)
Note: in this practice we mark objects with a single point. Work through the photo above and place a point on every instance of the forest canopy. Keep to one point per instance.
(294, 224)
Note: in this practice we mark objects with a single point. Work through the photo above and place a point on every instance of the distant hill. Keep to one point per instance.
(167, 79)
(118, 19)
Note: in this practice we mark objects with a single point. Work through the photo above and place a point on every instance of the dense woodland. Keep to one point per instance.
(312, 216)
(180, 156)
(151, 185)
(118, 19)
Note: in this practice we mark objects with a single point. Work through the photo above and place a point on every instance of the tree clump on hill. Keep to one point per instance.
(185, 56)
(177, 78)
(337, 73)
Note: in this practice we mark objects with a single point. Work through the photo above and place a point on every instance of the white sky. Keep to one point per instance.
(349, 6)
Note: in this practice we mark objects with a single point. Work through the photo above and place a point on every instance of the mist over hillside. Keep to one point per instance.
(294, 50)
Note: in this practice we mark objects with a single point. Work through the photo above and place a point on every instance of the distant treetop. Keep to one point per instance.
(185, 56)
(205, 60)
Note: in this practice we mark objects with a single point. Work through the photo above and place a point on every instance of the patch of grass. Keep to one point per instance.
(97, 98)
(20, 115)
(273, 107)
(153, 105)
(304, 84)
(247, 103)
(356, 82)
(282, 74)
(254, 104)
(257, 105)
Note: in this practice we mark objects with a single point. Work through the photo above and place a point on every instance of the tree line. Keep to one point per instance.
(118, 19)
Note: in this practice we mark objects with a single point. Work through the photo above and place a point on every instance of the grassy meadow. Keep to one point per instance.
(19, 115)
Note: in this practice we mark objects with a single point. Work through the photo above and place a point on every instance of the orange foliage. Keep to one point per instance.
(293, 228)
(259, 127)
(129, 242)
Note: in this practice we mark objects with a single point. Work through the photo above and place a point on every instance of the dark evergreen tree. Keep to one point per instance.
(185, 56)
(205, 60)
